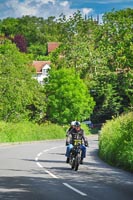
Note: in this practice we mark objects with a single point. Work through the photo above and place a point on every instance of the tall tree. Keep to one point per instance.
(114, 42)
(21, 96)
(67, 97)
(77, 42)
(116, 39)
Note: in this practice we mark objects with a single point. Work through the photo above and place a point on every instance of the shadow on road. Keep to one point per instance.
(25, 188)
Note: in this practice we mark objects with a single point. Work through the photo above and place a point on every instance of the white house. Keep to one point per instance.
(42, 68)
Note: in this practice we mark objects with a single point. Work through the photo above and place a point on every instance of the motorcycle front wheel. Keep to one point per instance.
(77, 161)
(73, 164)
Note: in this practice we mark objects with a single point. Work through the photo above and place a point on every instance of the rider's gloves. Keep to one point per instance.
(86, 143)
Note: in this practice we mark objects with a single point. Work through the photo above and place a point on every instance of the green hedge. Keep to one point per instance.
(116, 142)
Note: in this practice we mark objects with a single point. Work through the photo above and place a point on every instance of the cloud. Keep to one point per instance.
(39, 8)
(87, 10)
(64, 3)
(47, 8)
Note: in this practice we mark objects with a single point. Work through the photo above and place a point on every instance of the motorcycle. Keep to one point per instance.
(75, 155)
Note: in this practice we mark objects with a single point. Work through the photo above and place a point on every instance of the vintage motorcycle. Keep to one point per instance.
(75, 155)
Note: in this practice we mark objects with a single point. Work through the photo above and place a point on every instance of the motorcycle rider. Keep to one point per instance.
(70, 128)
(76, 133)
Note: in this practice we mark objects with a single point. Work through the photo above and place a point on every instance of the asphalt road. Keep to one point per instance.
(37, 171)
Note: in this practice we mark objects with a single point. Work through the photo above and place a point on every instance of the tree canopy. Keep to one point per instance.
(67, 97)
(100, 55)
(21, 96)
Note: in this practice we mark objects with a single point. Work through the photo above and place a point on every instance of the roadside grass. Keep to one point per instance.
(116, 142)
(27, 131)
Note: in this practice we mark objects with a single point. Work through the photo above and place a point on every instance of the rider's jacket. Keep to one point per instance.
(67, 132)
(74, 134)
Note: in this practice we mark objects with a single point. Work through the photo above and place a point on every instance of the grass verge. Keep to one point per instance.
(27, 131)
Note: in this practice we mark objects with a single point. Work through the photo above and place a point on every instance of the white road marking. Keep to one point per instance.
(39, 165)
(46, 150)
(55, 147)
(74, 189)
(54, 176)
(39, 154)
(51, 174)
(12, 190)
(36, 159)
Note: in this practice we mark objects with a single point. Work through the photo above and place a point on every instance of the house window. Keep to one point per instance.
(45, 71)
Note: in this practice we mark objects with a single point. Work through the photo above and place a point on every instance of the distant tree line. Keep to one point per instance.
(92, 70)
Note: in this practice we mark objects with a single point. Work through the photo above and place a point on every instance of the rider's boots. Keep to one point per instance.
(67, 160)
(81, 161)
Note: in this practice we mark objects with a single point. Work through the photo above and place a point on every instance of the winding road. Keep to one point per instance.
(38, 171)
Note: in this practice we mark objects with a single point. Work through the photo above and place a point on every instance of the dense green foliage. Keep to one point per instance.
(116, 142)
(21, 96)
(100, 54)
(27, 131)
(67, 97)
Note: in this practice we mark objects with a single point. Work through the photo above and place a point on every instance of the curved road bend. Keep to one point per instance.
(37, 171)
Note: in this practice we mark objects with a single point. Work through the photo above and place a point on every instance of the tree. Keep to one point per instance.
(9, 26)
(114, 50)
(38, 50)
(77, 42)
(116, 39)
(107, 96)
(67, 97)
(21, 96)
(20, 42)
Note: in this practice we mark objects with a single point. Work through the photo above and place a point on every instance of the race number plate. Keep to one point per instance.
(77, 142)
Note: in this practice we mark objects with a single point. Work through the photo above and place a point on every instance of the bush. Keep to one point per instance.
(116, 142)
(86, 129)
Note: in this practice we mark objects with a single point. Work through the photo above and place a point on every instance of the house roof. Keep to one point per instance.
(52, 46)
(39, 65)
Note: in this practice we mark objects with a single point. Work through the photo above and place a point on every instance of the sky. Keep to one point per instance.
(47, 8)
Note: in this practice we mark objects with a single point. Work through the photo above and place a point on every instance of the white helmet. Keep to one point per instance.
(73, 123)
